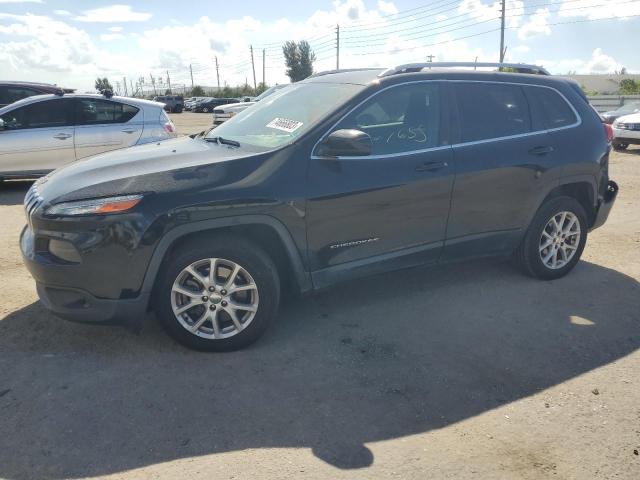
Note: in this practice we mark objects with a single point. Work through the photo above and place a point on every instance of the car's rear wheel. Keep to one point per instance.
(620, 146)
(555, 239)
(218, 295)
(205, 110)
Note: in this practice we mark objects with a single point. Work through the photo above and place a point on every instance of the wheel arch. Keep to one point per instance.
(582, 188)
(264, 230)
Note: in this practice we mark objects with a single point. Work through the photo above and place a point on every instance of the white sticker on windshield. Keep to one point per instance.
(284, 124)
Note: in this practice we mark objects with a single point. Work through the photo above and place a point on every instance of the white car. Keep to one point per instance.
(223, 113)
(626, 131)
(41, 133)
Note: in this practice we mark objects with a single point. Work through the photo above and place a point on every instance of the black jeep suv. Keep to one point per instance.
(344, 174)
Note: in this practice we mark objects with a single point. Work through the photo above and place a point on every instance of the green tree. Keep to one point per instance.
(197, 91)
(299, 59)
(103, 84)
(629, 86)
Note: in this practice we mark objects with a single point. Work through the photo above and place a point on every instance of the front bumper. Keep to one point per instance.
(219, 118)
(69, 301)
(609, 198)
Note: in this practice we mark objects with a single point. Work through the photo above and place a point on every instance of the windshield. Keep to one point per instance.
(269, 91)
(629, 108)
(285, 115)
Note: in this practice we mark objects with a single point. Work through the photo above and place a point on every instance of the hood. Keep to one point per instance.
(129, 170)
(633, 118)
(235, 107)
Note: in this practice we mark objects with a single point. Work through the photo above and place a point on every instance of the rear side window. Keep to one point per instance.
(549, 109)
(13, 94)
(94, 111)
(491, 110)
(46, 114)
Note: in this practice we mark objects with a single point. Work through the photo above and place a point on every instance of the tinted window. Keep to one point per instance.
(491, 110)
(49, 113)
(93, 111)
(13, 94)
(401, 119)
(549, 109)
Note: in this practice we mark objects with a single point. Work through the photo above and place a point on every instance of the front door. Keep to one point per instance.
(389, 209)
(37, 137)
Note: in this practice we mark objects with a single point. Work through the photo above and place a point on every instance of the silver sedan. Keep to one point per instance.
(41, 133)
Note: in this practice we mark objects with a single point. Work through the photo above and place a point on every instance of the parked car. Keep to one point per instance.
(172, 103)
(343, 175)
(13, 91)
(224, 113)
(627, 109)
(626, 131)
(206, 106)
(44, 132)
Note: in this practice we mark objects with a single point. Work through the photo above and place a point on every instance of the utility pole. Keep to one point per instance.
(337, 47)
(153, 82)
(502, 33)
(133, 94)
(253, 66)
(124, 82)
(191, 73)
(217, 72)
(264, 83)
(430, 58)
(169, 81)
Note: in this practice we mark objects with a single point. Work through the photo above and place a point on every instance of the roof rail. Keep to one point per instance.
(341, 70)
(418, 67)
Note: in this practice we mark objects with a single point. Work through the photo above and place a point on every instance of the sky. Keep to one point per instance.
(71, 42)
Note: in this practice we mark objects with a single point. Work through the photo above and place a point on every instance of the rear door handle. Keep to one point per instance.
(129, 130)
(541, 150)
(62, 136)
(431, 166)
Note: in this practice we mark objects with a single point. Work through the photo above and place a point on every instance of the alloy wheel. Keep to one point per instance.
(559, 240)
(214, 298)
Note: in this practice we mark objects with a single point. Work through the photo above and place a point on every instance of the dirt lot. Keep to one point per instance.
(465, 371)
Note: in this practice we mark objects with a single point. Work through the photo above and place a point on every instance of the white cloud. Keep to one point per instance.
(107, 37)
(596, 10)
(115, 29)
(537, 25)
(387, 8)
(62, 13)
(601, 63)
(483, 11)
(598, 63)
(21, 1)
(113, 13)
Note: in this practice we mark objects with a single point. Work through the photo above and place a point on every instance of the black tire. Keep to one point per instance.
(205, 110)
(620, 146)
(235, 249)
(527, 256)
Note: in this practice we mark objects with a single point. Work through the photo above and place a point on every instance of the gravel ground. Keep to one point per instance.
(465, 371)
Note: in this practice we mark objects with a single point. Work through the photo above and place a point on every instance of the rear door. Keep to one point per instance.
(38, 137)
(504, 165)
(389, 209)
(103, 125)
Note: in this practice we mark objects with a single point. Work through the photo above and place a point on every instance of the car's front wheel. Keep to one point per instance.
(554, 240)
(218, 295)
(205, 110)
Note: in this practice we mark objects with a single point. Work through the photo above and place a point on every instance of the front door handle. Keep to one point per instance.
(62, 136)
(431, 166)
(541, 150)
(129, 130)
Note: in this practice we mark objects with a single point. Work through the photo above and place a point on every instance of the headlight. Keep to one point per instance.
(95, 206)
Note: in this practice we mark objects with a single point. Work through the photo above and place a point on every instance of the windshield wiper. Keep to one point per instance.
(224, 141)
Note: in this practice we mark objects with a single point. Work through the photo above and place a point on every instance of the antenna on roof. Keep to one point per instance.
(59, 92)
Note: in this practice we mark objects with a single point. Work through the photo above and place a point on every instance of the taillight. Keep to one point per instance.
(609, 131)
(169, 128)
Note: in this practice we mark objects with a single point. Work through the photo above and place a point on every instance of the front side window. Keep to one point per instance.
(95, 111)
(491, 110)
(285, 115)
(403, 118)
(45, 114)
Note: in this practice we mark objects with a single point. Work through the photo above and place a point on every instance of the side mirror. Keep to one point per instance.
(346, 143)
